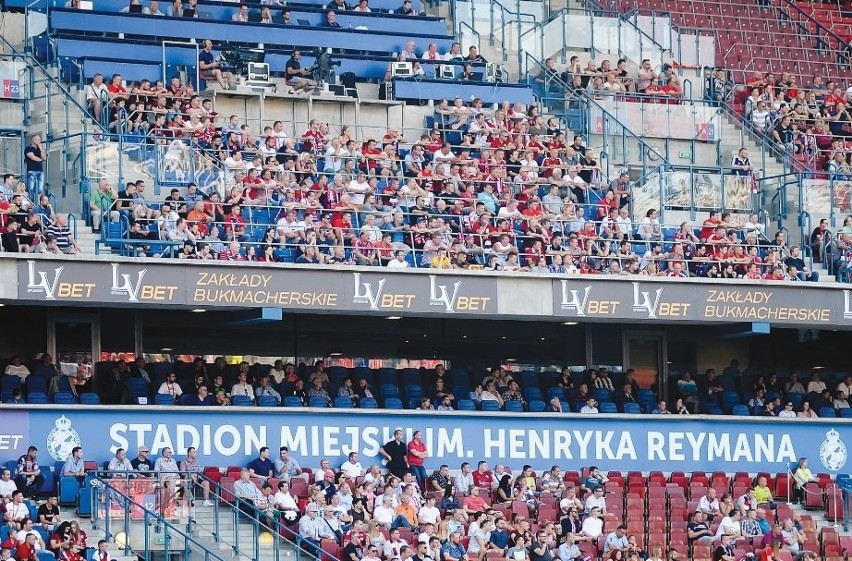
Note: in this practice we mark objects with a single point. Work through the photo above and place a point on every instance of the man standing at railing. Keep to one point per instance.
(34, 157)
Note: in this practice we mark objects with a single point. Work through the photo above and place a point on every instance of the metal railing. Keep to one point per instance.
(138, 527)
(232, 524)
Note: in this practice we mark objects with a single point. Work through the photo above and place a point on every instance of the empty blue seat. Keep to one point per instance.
(602, 395)
(466, 405)
(369, 403)
(846, 413)
(317, 401)
(292, 401)
(741, 410)
(537, 406)
(89, 398)
(533, 392)
(645, 393)
(515, 406)
(632, 408)
(389, 390)
(713, 409)
(827, 412)
(267, 401)
(555, 391)
(241, 400)
(343, 402)
(393, 403)
(490, 405)
(413, 391)
(64, 398)
(166, 399)
(608, 407)
(38, 398)
(36, 383)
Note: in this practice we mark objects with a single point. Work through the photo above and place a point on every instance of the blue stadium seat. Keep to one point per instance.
(602, 395)
(292, 401)
(369, 403)
(490, 405)
(36, 383)
(393, 403)
(166, 399)
(647, 395)
(89, 398)
(267, 401)
(241, 400)
(317, 401)
(533, 392)
(741, 410)
(414, 391)
(343, 402)
(515, 406)
(64, 398)
(632, 408)
(846, 413)
(466, 405)
(38, 398)
(537, 406)
(827, 412)
(608, 407)
(389, 390)
(713, 409)
(555, 391)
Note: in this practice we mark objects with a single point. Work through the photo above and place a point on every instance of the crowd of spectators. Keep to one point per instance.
(406, 511)
(508, 193)
(810, 120)
(26, 227)
(592, 391)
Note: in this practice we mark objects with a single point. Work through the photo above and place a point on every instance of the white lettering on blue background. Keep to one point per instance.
(573, 442)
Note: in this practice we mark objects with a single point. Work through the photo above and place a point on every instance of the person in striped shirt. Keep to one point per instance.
(64, 239)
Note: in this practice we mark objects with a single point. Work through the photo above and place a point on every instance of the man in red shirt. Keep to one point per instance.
(235, 225)
(475, 502)
(313, 139)
(364, 251)
(232, 254)
(27, 550)
(483, 477)
(417, 454)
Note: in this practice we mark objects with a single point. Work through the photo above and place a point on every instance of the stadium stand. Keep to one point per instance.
(605, 389)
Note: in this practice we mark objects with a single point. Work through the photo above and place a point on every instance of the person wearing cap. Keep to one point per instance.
(142, 463)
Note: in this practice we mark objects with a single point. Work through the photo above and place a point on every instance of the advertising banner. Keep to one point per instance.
(378, 291)
(572, 441)
(634, 300)
(252, 287)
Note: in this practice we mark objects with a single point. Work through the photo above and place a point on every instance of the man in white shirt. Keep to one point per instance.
(464, 480)
(371, 228)
(351, 468)
(596, 501)
(242, 388)
(7, 485)
(26, 529)
(787, 412)
(384, 514)
(429, 513)
(97, 95)
(289, 229)
(709, 505)
(444, 158)
(398, 261)
(167, 470)
(591, 406)
(17, 511)
(358, 189)
(730, 525)
(593, 524)
(171, 387)
(393, 546)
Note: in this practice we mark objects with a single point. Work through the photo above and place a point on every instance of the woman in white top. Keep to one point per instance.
(17, 368)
